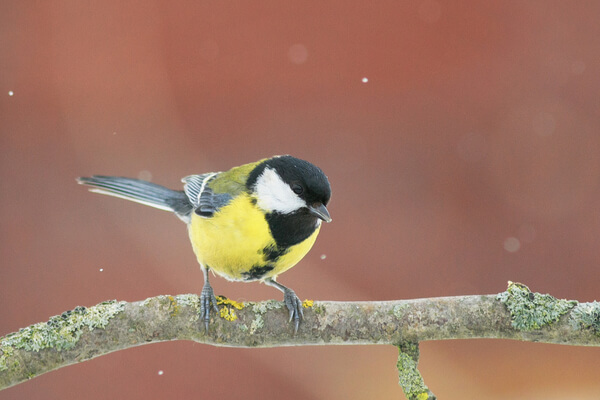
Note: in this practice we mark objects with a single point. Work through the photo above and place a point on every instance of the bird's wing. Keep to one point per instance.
(211, 191)
(200, 193)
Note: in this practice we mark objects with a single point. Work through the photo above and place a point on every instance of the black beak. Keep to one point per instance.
(320, 211)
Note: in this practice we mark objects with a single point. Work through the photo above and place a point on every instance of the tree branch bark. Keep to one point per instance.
(82, 334)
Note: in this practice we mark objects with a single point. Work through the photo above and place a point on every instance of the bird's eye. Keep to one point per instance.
(297, 188)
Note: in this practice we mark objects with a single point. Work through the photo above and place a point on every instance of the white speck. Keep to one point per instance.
(161, 372)
(10, 93)
(101, 269)
(323, 256)
(145, 175)
(512, 244)
(298, 54)
(365, 79)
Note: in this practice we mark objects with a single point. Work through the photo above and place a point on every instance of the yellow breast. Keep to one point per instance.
(236, 241)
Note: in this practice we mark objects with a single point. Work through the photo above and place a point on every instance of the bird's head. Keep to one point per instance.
(288, 185)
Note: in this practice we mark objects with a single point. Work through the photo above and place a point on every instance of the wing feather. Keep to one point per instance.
(205, 201)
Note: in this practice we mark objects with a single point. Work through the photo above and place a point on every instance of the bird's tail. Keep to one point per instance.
(143, 192)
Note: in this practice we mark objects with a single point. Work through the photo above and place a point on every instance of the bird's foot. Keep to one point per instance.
(207, 297)
(294, 305)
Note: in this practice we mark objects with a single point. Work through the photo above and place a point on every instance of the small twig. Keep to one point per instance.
(410, 378)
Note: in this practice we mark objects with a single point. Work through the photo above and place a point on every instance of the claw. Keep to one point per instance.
(292, 302)
(207, 297)
(294, 305)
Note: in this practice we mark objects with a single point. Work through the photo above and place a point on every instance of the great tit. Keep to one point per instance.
(250, 223)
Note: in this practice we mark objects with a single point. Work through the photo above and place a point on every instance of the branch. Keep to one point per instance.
(85, 333)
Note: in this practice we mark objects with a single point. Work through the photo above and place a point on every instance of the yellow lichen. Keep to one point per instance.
(224, 300)
(228, 311)
(174, 306)
(307, 303)
(228, 314)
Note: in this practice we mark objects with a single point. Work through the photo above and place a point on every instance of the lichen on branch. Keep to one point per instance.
(85, 333)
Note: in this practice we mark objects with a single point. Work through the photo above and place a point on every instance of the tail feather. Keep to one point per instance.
(142, 192)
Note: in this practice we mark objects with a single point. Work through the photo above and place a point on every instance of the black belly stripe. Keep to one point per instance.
(257, 272)
(273, 252)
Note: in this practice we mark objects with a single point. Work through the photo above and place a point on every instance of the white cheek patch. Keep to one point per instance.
(273, 194)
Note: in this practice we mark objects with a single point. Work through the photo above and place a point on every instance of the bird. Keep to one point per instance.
(250, 223)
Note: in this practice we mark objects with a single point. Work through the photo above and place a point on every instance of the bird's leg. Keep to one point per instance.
(206, 298)
(292, 302)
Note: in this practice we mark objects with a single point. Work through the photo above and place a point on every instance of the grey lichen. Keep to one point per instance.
(411, 349)
(530, 311)
(263, 307)
(190, 300)
(399, 310)
(319, 309)
(259, 309)
(587, 316)
(257, 323)
(61, 332)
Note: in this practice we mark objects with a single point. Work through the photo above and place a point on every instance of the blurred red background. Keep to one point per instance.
(461, 138)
